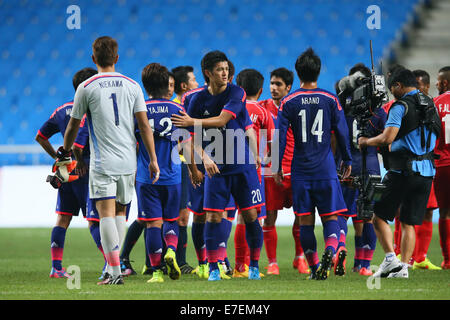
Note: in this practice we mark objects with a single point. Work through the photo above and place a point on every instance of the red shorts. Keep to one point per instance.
(441, 187)
(432, 202)
(278, 197)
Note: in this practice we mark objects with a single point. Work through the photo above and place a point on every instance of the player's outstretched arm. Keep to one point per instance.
(184, 120)
(147, 137)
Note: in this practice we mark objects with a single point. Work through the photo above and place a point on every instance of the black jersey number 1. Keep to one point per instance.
(116, 109)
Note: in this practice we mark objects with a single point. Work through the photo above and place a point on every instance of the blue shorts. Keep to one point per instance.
(72, 197)
(350, 197)
(92, 213)
(244, 187)
(157, 202)
(185, 182)
(325, 195)
(196, 198)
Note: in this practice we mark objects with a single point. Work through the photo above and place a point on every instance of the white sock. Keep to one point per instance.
(390, 256)
(121, 224)
(110, 243)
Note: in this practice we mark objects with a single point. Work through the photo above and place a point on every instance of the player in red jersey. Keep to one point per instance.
(442, 177)
(252, 82)
(280, 196)
(424, 232)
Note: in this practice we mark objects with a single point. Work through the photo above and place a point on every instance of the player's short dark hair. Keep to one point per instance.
(422, 74)
(180, 74)
(446, 72)
(231, 69)
(155, 78)
(403, 76)
(250, 80)
(361, 67)
(105, 51)
(285, 74)
(82, 75)
(308, 66)
(394, 67)
(210, 60)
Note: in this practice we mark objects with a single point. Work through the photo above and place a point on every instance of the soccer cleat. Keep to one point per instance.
(240, 274)
(186, 269)
(172, 266)
(147, 270)
(214, 275)
(387, 267)
(402, 273)
(425, 264)
(295, 262)
(222, 271)
(273, 269)
(445, 265)
(312, 276)
(106, 276)
(158, 277)
(253, 273)
(59, 273)
(302, 266)
(365, 272)
(112, 280)
(325, 265)
(126, 268)
(339, 266)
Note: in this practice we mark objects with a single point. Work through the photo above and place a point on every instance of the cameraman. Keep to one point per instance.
(365, 238)
(410, 170)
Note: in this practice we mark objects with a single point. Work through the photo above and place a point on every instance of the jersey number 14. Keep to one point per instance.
(316, 129)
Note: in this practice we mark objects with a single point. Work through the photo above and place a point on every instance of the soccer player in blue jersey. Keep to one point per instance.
(158, 203)
(313, 113)
(365, 237)
(221, 106)
(72, 196)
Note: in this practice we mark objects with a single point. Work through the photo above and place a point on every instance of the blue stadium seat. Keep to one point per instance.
(39, 55)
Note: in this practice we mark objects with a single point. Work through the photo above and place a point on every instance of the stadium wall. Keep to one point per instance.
(26, 200)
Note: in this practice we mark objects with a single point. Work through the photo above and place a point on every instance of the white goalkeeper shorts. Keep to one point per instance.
(119, 187)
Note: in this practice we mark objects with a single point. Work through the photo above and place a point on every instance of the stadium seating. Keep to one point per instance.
(39, 54)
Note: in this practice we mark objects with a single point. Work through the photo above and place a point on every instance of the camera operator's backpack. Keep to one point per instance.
(420, 112)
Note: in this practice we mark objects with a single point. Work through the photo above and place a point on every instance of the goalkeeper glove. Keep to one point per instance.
(62, 174)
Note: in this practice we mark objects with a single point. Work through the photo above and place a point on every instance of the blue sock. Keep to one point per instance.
(309, 245)
(331, 232)
(213, 235)
(225, 229)
(95, 233)
(181, 247)
(153, 243)
(369, 242)
(198, 238)
(170, 232)
(57, 246)
(343, 231)
(133, 233)
(358, 251)
(147, 259)
(254, 236)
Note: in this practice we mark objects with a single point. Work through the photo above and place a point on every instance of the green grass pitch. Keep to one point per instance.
(25, 265)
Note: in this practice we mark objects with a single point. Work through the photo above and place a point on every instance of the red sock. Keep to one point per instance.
(296, 235)
(424, 233)
(270, 243)
(444, 237)
(240, 247)
(397, 236)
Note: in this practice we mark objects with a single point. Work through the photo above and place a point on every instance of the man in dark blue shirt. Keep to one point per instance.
(313, 114)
